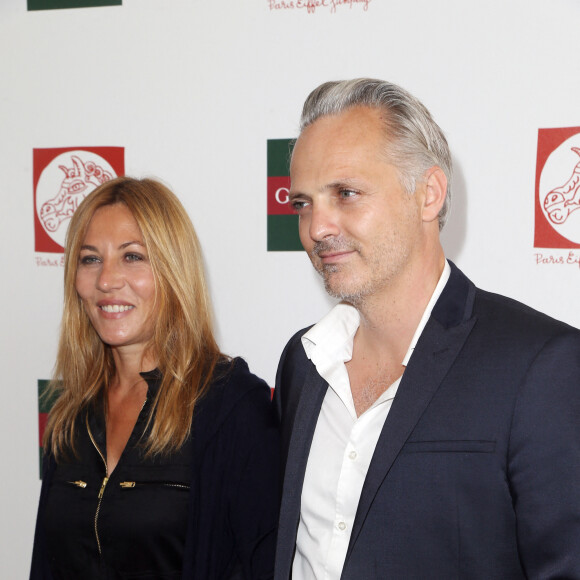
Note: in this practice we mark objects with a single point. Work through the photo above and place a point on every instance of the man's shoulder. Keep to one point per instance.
(509, 330)
(294, 363)
(500, 312)
(295, 342)
(503, 311)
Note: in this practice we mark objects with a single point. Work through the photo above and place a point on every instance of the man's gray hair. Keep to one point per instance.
(414, 141)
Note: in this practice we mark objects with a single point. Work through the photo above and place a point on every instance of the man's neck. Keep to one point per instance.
(387, 326)
(388, 320)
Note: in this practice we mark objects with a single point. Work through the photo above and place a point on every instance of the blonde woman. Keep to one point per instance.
(161, 453)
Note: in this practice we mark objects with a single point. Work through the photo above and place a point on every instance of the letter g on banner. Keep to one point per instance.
(281, 195)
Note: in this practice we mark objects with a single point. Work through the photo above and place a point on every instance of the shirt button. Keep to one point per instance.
(341, 526)
(352, 455)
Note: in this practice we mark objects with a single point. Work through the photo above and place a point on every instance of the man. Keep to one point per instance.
(430, 429)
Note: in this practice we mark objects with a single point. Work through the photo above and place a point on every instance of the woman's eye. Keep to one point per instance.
(87, 260)
(133, 257)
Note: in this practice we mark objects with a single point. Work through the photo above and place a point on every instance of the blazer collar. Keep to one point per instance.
(299, 423)
(455, 305)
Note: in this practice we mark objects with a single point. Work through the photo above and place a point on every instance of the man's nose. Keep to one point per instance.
(323, 222)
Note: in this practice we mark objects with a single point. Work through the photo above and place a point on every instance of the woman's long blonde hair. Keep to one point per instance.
(183, 342)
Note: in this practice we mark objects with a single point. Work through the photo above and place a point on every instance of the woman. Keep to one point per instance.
(161, 453)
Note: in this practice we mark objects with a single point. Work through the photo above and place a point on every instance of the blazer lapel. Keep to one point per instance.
(307, 409)
(436, 350)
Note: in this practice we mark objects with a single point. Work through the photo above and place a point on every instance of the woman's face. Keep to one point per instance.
(115, 281)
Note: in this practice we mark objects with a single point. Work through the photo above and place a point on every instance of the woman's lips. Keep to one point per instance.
(114, 306)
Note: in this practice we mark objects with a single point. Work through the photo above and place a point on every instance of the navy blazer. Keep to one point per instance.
(476, 473)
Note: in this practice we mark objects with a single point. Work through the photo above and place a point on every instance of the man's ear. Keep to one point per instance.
(435, 193)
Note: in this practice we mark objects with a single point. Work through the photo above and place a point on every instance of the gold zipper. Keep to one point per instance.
(105, 479)
(102, 490)
(79, 483)
(178, 485)
(103, 484)
(130, 484)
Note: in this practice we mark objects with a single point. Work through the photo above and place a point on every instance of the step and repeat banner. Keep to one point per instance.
(206, 96)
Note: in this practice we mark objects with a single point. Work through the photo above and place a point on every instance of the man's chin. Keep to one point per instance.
(342, 290)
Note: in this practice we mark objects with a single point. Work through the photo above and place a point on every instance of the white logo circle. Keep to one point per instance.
(63, 184)
(559, 189)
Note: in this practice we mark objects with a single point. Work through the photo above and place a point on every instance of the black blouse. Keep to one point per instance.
(204, 512)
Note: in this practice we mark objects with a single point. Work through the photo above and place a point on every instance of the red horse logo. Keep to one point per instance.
(563, 200)
(79, 181)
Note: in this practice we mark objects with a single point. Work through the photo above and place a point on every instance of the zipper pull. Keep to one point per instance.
(103, 485)
(79, 483)
(127, 484)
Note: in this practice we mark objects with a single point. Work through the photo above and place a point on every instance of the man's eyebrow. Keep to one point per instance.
(294, 193)
(347, 181)
(337, 184)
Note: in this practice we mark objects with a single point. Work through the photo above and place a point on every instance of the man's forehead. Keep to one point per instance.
(355, 126)
(355, 119)
(341, 139)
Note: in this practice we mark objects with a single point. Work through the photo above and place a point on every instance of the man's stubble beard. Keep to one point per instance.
(377, 270)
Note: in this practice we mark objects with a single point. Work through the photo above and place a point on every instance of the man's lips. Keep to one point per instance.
(334, 256)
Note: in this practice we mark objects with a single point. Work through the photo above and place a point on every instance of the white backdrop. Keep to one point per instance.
(193, 90)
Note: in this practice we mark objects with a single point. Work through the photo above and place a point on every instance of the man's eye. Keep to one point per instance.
(298, 204)
(344, 193)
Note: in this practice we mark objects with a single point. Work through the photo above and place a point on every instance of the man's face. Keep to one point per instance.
(361, 230)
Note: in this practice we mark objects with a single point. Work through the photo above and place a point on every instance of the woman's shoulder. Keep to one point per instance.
(235, 374)
(235, 393)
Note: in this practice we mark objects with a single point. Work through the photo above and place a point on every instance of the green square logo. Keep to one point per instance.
(56, 4)
(282, 221)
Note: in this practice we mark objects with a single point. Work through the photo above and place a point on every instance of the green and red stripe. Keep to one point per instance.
(282, 221)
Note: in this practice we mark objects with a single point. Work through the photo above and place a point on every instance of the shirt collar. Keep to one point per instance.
(334, 334)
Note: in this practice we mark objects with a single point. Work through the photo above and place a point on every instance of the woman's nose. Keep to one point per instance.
(110, 277)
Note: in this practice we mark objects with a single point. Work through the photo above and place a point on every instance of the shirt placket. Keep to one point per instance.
(351, 476)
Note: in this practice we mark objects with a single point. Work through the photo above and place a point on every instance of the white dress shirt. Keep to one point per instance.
(342, 446)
